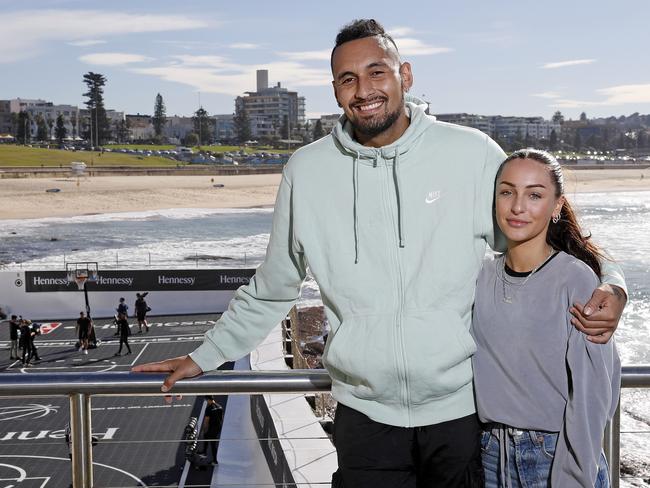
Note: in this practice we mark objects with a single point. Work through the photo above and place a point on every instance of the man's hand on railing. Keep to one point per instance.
(180, 368)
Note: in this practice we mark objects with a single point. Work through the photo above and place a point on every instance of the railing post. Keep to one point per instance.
(81, 441)
(608, 441)
(615, 453)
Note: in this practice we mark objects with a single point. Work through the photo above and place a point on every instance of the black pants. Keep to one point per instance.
(124, 340)
(27, 352)
(372, 455)
(213, 445)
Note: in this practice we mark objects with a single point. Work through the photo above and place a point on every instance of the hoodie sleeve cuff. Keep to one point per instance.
(613, 274)
(207, 357)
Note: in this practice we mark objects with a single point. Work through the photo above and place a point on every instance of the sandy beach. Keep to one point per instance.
(28, 198)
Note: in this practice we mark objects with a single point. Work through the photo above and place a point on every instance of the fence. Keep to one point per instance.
(81, 387)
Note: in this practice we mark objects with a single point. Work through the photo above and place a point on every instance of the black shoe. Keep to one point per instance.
(118, 354)
(128, 353)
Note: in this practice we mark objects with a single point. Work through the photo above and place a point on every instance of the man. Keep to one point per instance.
(35, 330)
(123, 308)
(122, 312)
(14, 329)
(26, 337)
(392, 211)
(211, 429)
(84, 325)
(141, 309)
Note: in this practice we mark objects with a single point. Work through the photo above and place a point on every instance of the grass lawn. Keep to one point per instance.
(15, 155)
(150, 147)
(213, 149)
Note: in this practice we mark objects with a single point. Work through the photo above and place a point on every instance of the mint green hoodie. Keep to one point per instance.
(395, 237)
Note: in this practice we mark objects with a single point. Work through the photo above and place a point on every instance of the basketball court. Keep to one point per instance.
(137, 436)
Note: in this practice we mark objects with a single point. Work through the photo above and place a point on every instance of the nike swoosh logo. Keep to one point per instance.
(432, 199)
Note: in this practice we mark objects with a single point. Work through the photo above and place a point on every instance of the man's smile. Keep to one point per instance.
(369, 107)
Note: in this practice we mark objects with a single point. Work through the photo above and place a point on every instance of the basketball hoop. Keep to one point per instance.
(81, 273)
(81, 276)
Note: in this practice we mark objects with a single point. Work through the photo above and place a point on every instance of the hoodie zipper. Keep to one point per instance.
(392, 211)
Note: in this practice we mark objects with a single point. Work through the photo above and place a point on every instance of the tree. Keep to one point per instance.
(15, 121)
(159, 118)
(285, 130)
(518, 140)
(191, 139)
(50, 124)
(592, 142)
(122, 130)
(577, 141)
(61, 130)
(242, 126)
(318, 130)
(41, 128)
(23, 127)
(558, 118)
(552, 144)
(583, 117)
(202, 126)
(99, 125)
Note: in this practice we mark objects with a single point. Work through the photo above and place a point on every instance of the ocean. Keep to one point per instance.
(181, 238)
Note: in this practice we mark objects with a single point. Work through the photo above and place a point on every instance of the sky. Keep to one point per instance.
(498, 57)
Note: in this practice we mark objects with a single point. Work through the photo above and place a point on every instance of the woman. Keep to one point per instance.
(124, 330)
(543, 391)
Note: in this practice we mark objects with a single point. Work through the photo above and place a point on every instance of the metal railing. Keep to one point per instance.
(80, 387)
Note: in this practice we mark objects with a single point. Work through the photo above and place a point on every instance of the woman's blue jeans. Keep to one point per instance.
(529, 460)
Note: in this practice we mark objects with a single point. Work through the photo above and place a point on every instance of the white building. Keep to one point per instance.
(506, 127)
(50, 112)
(224, 127)
(177, 128)
(269, 108)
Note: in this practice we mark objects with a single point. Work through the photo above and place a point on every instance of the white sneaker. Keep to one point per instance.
(85, 351)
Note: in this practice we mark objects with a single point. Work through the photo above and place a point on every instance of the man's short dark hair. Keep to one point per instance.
(209, 397)
(360, 29)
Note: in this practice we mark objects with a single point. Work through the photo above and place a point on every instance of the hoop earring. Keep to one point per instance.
(556, 218)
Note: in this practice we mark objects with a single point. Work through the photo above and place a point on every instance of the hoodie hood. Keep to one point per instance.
(419, 122)
(343, 133)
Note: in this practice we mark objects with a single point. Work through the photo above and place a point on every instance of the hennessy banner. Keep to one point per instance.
(143, 280)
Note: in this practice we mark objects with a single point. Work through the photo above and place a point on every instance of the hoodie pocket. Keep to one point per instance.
(438, 349)
(361, 356)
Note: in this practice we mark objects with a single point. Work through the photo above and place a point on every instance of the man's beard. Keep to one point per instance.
(376, 126)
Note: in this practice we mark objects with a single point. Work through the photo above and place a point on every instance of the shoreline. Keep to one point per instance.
(28, 198)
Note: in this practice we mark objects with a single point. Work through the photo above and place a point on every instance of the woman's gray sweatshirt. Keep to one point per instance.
(534, 371)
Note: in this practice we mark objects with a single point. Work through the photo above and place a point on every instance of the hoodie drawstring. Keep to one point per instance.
(398, 191)
(355, 184)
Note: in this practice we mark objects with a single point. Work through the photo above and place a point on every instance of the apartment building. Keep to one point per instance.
(269, 107)
(140, 127)
(5, 117)
(505, 126)
(224, 127)
(46, 110)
